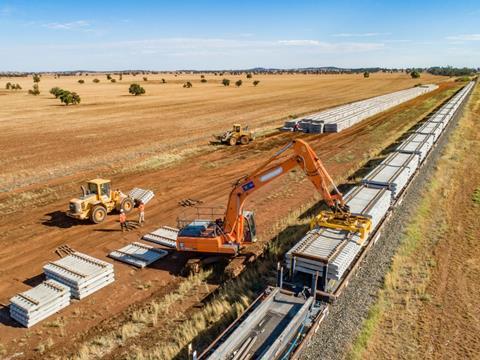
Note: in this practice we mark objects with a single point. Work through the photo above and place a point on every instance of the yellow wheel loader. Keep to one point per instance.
(237, 135)
(97, 200)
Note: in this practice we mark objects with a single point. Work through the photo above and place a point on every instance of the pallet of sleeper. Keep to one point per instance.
(40, 302)
(141, 195)
(393, 178)
(82, 273)
(373, 203)
(138, 254)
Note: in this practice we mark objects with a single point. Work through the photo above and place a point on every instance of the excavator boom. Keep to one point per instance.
(227, 235)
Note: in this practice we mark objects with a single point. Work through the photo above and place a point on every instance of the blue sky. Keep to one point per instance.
(169, 35)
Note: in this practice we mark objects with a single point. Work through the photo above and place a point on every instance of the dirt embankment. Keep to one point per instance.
(31, 235)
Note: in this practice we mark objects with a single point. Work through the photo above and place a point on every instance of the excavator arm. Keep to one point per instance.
(303, 157)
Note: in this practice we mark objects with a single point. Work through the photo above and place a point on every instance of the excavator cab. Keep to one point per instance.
(249, 229)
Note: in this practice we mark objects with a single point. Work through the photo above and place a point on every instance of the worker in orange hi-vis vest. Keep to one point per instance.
(141, 214)
(123, 220)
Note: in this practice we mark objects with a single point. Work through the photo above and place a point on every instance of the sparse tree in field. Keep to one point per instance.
(256, 82)
(136, 90)
(109, 77)
(8, 86)
(238, 83)
(96, 81)
(69, 98)
(188, 84)
(120, 77)
(113, 80)
(145, 78)
(249, 76)
(56, 91)
(35, 90)
(226, 82)
(366, 74)
(202, 76)
(164, 81)
(81, 81)
(36, 78)
(203, 80)
(415, 74)
(16, 87)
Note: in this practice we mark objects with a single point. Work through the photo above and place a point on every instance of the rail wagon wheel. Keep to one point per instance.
(244, 140)
(232, 141)
(127, 205)
(99, 213)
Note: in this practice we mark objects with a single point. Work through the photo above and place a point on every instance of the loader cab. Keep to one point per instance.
(99, 187)
(249, 228)
(237, 128)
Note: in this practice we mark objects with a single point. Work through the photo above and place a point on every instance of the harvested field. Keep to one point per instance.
(34, 232)
(43, 140)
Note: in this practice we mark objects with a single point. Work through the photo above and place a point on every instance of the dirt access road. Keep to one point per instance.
(30, 236)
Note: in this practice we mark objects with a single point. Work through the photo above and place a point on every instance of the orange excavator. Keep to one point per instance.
(227, 235)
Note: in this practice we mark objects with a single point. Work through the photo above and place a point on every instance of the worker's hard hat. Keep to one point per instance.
(121, 210)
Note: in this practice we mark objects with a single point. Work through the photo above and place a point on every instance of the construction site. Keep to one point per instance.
(74, 286)
(237, 181)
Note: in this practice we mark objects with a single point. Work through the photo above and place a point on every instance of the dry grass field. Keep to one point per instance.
(157, 141)
(42, 140)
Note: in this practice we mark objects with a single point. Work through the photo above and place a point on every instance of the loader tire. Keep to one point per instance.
(232, 141)
(127, 205)
(98, 215)
(244, 140)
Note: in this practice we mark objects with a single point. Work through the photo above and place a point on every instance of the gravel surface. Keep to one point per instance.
(340, 328)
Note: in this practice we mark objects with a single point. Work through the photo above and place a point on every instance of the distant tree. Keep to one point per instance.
(16, 87)
(36, 78)
(164, 81)
(8, 86)
(81, 81)
(96, 81)
(415, 74)
(451, 71)
(226, 82)
(203, 80)
(56, 91)
(256, 82)
(366, 74)
(113, 80)
(35, 90)
(120, 77)
(136, 90)
(69, 98)
(188, 84)
(109, 77)
(202, 76)
(238, 83)
(145, 78)
(249, 76)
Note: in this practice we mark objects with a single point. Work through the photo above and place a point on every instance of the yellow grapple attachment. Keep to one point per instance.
(344, 221)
